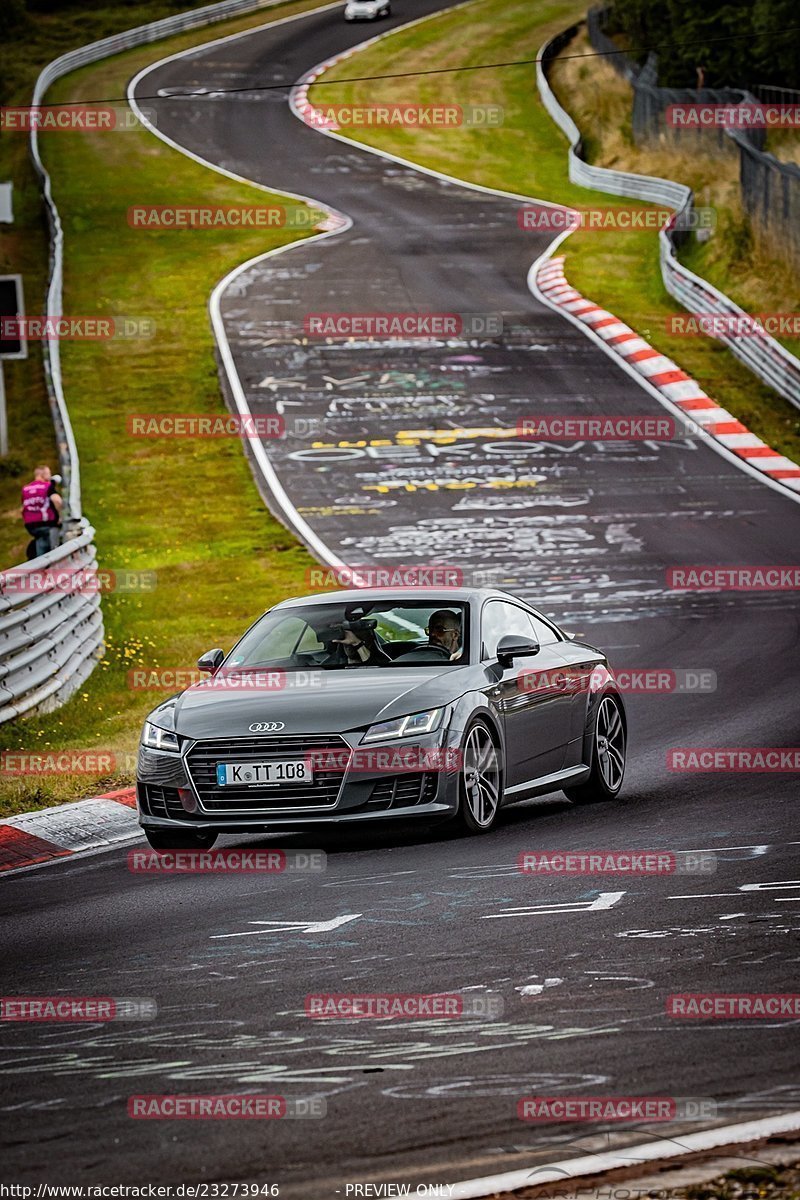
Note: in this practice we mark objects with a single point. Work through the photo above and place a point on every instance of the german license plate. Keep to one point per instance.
(270, 774)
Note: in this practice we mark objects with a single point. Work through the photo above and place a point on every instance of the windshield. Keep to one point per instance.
(355, 635)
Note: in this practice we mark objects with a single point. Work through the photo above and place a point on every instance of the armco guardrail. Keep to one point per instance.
(51, 626)
(765, 357)
(51, 639)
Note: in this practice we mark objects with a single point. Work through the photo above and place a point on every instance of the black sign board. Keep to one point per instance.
(12, 345)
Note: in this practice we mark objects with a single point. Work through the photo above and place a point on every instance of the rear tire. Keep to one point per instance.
(609, 745)
(179, 839)
(480, 785)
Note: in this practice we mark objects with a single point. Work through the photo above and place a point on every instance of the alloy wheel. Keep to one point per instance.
(610, 744)
(481, 775)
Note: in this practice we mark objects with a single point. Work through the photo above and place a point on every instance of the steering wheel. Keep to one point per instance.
(423, 654)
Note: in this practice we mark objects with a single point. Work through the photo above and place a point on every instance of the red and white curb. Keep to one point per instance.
(34, 838)
(304, 109)
(311, 115)
(664, 375)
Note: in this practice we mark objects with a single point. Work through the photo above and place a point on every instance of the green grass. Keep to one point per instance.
(528, 155)
(187, 509)
(27, 45)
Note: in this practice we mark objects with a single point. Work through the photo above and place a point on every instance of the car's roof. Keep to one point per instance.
(414, 595)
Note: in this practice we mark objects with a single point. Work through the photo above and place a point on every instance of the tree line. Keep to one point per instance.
(761, 40)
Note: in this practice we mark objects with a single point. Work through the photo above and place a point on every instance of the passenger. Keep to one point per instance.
(361, 649)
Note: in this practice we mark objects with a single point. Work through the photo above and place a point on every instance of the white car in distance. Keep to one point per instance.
(366, 10)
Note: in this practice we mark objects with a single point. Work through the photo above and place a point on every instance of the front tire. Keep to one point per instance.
(480, 784)
(609, 745)
(180, 839)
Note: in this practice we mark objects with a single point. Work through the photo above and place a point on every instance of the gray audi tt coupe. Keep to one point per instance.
(382, 703)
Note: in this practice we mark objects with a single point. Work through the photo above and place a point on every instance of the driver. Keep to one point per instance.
(444, 632)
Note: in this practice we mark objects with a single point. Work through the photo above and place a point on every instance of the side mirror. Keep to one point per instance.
(211, 661)
(513, 646)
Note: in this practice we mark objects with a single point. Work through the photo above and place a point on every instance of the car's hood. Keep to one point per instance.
(336, 702)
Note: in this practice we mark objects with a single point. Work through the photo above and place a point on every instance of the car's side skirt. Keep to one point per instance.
(569, 777)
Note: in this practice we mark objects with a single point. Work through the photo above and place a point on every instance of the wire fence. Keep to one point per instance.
(770, 188)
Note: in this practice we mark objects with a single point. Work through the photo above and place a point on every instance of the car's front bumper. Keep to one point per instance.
(177, 790)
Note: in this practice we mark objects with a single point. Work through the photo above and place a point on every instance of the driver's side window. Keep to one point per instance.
(499, 619)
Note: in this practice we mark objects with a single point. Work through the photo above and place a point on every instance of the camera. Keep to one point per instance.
(363, 629)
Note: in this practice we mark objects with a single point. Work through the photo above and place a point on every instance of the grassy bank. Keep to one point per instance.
(527, 154)
(186, 509)
(27, 44)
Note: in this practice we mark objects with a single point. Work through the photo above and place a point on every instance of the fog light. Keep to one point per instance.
(187, 799)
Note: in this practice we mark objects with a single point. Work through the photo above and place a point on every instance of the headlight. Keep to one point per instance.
(159, 739)
(400, 727)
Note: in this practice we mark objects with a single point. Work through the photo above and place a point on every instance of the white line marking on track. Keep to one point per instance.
(604, 901)
(704, 896)
(597, 1164)
(291, 927)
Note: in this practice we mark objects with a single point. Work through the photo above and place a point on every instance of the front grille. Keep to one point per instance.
(402, 791)
(235, 801)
